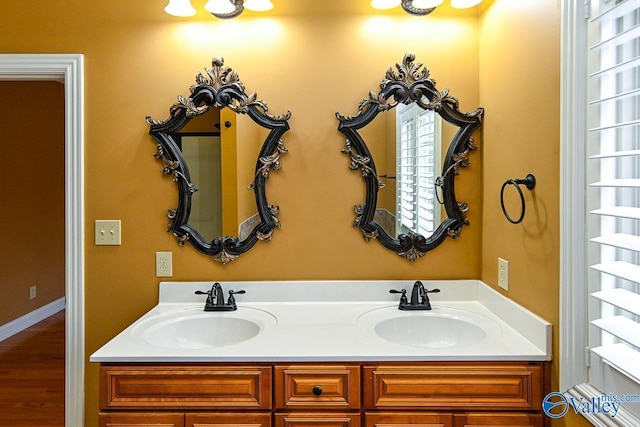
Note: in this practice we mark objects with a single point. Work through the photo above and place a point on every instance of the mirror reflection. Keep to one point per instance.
(409, 141)
(222, 171)
(200, 143)
(406, 143)
(220, 145)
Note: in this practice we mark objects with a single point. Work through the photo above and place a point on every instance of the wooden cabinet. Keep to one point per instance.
(317, 387)
(141, 420)
(157, 419)
(317, 419)
(397, 419)
(317, 395)
(453, 386)
(228, 419)
(425, 394)
(129, 389)
(185, 387)
(499, 419)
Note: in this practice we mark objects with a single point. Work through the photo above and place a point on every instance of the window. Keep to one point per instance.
(600, 302)
(417, 156)
(613, 199)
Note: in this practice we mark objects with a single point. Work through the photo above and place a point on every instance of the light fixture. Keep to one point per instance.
(385, 4)
(426, 4)
(180, 8)
(464, 4)
(421, 7)
(220, 7)
(258, 5)
(224, 9)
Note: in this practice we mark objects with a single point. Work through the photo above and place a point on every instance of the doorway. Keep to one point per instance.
(67, 68)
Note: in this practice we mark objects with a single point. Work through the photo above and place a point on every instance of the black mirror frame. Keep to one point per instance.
(411, 83)
(220, 88)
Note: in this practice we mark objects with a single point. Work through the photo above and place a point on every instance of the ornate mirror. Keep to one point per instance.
(411, 128)
(219, 146)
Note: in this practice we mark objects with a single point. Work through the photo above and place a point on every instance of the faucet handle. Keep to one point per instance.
(403, 298)
(232, 300)
(202, 292)
(425, 298)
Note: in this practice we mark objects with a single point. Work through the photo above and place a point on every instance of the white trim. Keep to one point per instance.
(21, 323)
(69, 67)
(573, 295)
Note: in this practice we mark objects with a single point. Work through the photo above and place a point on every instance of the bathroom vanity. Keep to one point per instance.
(336, 354)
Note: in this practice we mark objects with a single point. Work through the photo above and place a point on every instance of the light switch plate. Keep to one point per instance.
(108, 232)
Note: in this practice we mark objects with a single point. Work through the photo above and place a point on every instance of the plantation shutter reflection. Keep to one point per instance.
(417, 148)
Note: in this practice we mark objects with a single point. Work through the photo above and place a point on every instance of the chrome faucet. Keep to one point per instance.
(419, 298)
(215, 299)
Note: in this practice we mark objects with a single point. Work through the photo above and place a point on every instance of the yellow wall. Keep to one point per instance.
(32, 193)
(314, 58)
(520, 90)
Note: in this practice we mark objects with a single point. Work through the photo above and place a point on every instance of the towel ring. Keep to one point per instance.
(530, 182)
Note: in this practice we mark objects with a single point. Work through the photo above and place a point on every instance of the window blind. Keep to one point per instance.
(613, 198)
(417, 147)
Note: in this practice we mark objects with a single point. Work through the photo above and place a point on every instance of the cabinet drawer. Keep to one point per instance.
(498, 419)
(185, 387)
(308, 386)
(320, 419)
(223, 419)
(400, 419)
(453, 386)
(141, 420)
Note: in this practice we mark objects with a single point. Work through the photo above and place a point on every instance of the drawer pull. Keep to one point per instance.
(317, 390)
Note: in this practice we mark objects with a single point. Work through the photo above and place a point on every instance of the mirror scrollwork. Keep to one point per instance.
(218, 90)
(410, 85)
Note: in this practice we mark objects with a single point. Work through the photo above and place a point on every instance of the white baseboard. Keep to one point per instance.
(20, 324)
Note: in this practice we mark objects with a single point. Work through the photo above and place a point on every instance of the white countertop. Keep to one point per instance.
(332, 321)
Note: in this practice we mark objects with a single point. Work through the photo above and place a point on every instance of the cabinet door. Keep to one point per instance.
(228, 419)
(398, 419)
(141, 420)
(317, 419)
(498, 419)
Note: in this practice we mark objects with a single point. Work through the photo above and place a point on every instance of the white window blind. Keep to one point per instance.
(417, 148)
(613, 198)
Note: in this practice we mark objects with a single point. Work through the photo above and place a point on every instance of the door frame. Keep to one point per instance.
(67, 68)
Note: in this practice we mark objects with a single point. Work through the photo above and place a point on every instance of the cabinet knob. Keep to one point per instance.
(317, 390)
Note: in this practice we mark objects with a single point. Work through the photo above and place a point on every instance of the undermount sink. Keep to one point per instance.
(442, 327)
(197, 329)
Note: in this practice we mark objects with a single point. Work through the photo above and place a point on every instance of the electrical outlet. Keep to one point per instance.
(164, 264)
(503, 274)
(108, 232)
(32, 292)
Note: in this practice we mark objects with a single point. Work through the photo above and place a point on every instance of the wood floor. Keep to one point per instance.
(32, 375)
